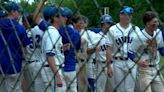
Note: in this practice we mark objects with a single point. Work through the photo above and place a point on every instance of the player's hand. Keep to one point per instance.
(109, 71)
(83, 41)
(59, 81)
(98, 49)
(66, 46)
(143, 63)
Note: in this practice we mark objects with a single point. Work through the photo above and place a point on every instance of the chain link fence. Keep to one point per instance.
(27, 71)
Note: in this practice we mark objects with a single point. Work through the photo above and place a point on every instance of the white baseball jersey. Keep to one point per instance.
(146, 46)
(91, 39)
(103, 43)
(52, 44)
(34, 49)
(120, 38)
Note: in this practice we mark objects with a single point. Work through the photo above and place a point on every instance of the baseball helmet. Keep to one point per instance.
(106, 19)
(49, 12)
(12, 6)
(65, 11)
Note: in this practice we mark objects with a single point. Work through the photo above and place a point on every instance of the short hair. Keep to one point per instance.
(148, 16)
(28, 19)
(77, 18)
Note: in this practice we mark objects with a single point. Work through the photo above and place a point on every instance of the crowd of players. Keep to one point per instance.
(55, 52)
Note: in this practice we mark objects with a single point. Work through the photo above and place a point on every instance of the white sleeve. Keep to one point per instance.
(110, 37)
(135, 44)
(161, 42)
(51, 42)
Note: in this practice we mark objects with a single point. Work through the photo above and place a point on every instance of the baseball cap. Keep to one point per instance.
(2, 13)
(126, 10)
(65, 11)
(106, 19)
(12, 6)
(50, 11)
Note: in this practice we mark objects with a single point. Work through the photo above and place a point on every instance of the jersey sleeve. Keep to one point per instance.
(110, 37)
(134, 46)
(23, 36)
(161, 43)
(43, 25)
(51, 41)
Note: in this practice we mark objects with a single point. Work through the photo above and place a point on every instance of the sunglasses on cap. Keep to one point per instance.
(126, 10)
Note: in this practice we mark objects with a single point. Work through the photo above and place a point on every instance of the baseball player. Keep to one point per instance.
(70, 37)
(145, 50)
(78, 24)
(52, 49)
(82, 57)
(33, 56)
(13, 38)
(103, 43)
(123, 76)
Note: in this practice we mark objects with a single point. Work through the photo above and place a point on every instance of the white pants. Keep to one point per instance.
(101, 76)
(146, 75)
(33, 77)
(71, 81)
(82, 77)
(91, 70)
(48, 84)
(10, 83)
(123, 79)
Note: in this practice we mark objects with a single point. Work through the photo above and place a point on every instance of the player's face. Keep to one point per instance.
(63, 20)
(125, 18)
(79, 25)
(153, 24)
(106, 26)
(15, 14)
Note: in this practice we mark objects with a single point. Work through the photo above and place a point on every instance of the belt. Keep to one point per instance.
(32, 61)
(152, 65)
(60, 66)
(94, 61)
(82, 60)
(120, 58)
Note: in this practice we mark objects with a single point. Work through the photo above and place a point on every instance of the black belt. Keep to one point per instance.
(32, 61)
(45, 65)
(152, 65)
(82, 60)
(60, 66)
(94, 61)
(120, 58)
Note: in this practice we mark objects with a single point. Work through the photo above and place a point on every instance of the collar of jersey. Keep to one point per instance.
(147, 35)
(122, 29)
(52, 27)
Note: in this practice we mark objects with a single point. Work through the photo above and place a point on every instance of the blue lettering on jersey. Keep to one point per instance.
(124, 39)
(38, 39)
(103, 47)
(31, 45)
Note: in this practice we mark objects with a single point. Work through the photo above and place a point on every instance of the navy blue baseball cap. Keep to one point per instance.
(49, 12)
(106, 19)
(65, 11)
(2, 13)
(126, 10)
(12, 6)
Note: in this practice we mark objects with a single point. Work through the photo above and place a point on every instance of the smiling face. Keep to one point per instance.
(153, 24)
(151, 21)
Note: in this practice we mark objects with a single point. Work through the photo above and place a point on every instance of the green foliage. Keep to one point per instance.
(89, 9)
